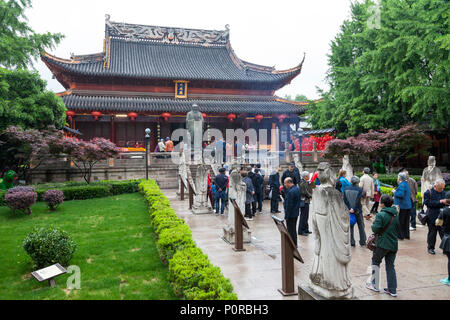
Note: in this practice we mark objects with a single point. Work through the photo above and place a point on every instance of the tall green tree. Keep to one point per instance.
(24, 101)
(19, 44)
(391, 74)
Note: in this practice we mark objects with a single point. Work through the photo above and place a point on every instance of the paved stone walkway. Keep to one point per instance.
(256, 272)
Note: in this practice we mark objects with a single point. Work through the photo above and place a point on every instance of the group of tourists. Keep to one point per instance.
(253, 177)
(395, 216)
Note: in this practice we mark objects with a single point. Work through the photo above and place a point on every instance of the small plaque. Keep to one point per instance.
(181, 89)
(49, 272)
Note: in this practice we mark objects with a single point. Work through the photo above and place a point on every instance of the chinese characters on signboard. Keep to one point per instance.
(181, 89)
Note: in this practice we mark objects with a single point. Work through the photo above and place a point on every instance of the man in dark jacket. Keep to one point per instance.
(258, 182)
(274, 183)
(306, 195)
(251, 175)
(434, 199)
(291, 173)
(221, 182)
(248, 194)
(387, 245)
(291, 207)
(352, 199)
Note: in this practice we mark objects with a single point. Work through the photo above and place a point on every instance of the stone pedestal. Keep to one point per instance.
(201, 204)
(228, 235)
(305, 293)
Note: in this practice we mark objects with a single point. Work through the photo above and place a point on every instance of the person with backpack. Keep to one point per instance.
(387, 226)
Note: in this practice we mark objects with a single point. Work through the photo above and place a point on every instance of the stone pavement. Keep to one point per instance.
(256, 272)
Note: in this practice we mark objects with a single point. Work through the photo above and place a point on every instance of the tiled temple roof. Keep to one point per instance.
(151, 104)
(149, 52)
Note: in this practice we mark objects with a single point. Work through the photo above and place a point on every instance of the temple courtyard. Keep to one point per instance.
(256, 272)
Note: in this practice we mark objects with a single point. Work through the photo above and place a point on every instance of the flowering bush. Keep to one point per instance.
(21, 189)
(21, 198)
(53, 198)
(48, 246)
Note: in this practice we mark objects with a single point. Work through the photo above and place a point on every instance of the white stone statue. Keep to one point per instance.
(347, 167)
(201, 203)
(297, 162)
(236, 192)
(429, 176)
(330, 274)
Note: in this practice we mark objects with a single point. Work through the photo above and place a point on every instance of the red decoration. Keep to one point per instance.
(70, 114)
(166, 116)
(259, 117)
(132, 115)
(204, 115)
(321, 142)
(231, 117)
(96, 114)
(281, 117)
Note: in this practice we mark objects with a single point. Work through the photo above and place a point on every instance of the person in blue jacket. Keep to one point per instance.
(291, 207)
(402, 198)
(343, 180)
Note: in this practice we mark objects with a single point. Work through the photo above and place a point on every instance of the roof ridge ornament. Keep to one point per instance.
(167, 34)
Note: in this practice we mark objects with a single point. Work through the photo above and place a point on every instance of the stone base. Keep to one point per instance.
(201, 210)
(228, 235)
(314, 292)
(305, 293)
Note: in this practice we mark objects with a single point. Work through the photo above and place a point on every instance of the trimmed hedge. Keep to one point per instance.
(191, 274)
(82, 191)
(388, 191)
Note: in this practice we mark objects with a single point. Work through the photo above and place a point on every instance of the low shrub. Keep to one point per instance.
(21, 198)
(47, 246)
(121, 187)
(53, 198)
(172, 239)
(74, 190)
(194, 277)
(86, 192)
(190, 272)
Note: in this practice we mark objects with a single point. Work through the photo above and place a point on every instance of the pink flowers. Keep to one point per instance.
(53, 198)
(21, 198)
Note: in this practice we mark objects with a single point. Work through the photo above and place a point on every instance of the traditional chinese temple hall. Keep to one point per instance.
(150, 76)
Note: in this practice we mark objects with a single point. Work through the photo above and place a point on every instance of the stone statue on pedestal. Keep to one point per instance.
(237, 192)
(201, 204)
(430, 175)
(194, 125)
(330, 276)
(347, 167)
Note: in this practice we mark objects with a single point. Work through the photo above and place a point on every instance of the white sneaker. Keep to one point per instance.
(412, 229)
(370, 286)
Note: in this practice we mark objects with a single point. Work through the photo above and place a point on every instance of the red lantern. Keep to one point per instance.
(166, 116)
(231, 117)
(132, 115)
(281, 117)
(70, 114)
(96, 114)
(204, 115)
(259, 117)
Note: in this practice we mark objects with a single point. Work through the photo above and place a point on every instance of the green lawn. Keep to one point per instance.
(116, 251)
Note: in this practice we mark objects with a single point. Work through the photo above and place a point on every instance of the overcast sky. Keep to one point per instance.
(273, 33)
